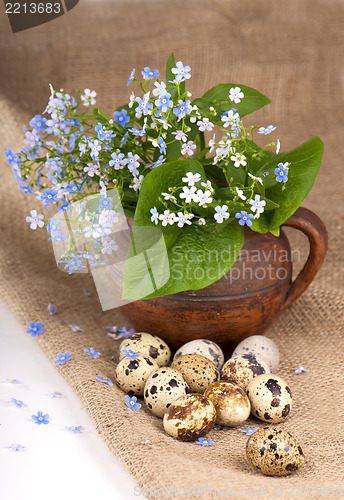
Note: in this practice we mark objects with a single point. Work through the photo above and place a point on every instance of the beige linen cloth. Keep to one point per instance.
(293, 52)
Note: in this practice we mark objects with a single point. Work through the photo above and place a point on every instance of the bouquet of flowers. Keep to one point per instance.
(191, 169)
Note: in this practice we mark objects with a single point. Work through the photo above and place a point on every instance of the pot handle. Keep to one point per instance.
(315, 230)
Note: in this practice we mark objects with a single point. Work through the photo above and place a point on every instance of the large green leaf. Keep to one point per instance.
(219, 96)
(304, 165)
(197, 255)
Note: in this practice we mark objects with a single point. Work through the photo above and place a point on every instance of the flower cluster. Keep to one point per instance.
(74, 151)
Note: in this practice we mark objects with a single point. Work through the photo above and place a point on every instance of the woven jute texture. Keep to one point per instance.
(292, 51)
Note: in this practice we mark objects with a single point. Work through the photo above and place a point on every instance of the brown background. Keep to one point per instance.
(293, 52)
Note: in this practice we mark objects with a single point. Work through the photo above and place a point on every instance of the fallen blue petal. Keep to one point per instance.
(40, 418)
(106, 380)
(54, 395)
(132, 403)
(92, 352)
(62, 358)
(18, 403)
(16, 447)
(76, 328)
(52, 308)
(130, 354)
(204, 442)
(249, 430)
(75, 429)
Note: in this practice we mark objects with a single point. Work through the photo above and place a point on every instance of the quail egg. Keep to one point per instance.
(162, 388)
(274, 452)
(132, 373)
(198, 372)
(270, 398)
(260, 346)
(150, 345)
(189, 417)
(242, 369)
(231, 403)
(205, 348)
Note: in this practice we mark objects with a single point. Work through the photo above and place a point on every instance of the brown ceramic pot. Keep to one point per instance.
(246, 301)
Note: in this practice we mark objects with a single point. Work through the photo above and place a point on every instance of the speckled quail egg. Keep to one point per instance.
(162, 388)
(198, 372)
(242, 369)
(274, 452)
(270, 398)
(205, 348)
(132, 373)
(231, 403)
(150, 345)
(261, 346)
(190, 417)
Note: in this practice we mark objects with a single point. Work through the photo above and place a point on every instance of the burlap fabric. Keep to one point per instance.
(292, 51)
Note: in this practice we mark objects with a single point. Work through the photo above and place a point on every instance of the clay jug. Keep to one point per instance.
(246, 301)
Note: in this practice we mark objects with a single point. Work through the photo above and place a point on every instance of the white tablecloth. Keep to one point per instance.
(56, 463)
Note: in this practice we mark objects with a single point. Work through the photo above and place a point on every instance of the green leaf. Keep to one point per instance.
(171, 63)
(236, 173)
(270, 205)
(252, 100)
(100, 116)
(196, 255)
(275, 232)
(304, 165)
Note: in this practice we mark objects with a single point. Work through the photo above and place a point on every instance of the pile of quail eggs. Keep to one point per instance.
(199, 389)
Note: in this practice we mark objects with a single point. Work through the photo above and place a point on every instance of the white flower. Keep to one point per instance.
(91, 169)
(211, 144)
(188, 148)
(205, 124)
(167, 218)
(133, 170)
(35, 219)
(201, 222)
(223, 149)
(131, 100)
(207, 185)
(168, 196)
(88, 97)
(103, 189)
(107, 218)
(239, 159)
(230, 118)
(204, 198)
(241, 193)
(137, 182)
(180, 136)
(235, 94)
(95, 231)
(109, 245)
(184, 219)
(155, 215)
(221, 213)
(165, 125)
(258, 179)
(278, 146)
(257, 205)
(191, 178)
(160, 89)
(189, 194)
